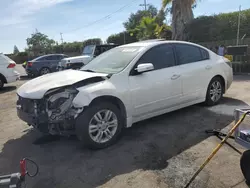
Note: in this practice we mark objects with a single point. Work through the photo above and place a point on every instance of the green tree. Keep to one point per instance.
(218, 27)
(119, 38)
(95, 41)
(15, 51)
(150, 29)
(182, 14)
(146, 29)
(39, 43)
(135, 18)
(163, 32)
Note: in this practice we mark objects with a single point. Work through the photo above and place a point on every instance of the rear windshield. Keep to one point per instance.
(4, 59)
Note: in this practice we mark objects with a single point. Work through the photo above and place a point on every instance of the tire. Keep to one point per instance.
(31, 76)
(1, 82)
(92, 140)
(44, 70)
(214, 91)
(245, 165)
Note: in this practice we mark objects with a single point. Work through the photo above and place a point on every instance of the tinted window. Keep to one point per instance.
(188, 53)
(59, 57)
(204, 54)
(41, 58)
(53, 57)
(160, 56)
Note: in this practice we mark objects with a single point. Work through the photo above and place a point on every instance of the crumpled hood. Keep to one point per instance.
(36, 88)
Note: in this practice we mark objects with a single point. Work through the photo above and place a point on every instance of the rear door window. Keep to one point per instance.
(204, 54)
(187, 53)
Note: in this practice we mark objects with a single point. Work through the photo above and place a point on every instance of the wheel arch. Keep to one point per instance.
(3, 77)
(114, 100)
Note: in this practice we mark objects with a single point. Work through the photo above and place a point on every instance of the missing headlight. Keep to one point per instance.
(59, 102)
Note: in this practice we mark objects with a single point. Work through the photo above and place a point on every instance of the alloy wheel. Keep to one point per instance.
(103, 126)
(44, 71)
(215, 91)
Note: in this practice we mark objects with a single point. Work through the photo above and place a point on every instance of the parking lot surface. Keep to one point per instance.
(159, 152)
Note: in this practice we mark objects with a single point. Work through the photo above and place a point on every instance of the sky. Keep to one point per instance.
(79, 20)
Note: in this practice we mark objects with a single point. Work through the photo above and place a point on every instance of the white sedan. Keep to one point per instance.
(122, 86)
(8, 74)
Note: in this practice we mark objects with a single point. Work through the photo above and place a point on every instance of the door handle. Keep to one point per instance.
(175, 76)
(208, 67)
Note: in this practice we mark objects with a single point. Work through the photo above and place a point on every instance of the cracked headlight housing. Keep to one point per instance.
(59, 102)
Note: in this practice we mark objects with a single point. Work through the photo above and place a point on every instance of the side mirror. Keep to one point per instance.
(144, 67)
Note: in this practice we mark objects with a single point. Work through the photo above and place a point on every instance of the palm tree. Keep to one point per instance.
(182, 14)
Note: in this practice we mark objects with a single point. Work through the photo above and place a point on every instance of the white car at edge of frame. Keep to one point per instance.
(122, 86)
(8, 74)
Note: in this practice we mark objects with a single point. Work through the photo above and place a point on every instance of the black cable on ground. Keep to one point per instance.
(34, 163)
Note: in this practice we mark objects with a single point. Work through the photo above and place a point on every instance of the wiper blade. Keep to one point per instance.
(88, 70)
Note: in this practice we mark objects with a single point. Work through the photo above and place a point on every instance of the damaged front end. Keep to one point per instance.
(54, 114)
(60, 111)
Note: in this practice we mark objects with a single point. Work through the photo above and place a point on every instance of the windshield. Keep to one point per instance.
(113, 61)
(88, 50)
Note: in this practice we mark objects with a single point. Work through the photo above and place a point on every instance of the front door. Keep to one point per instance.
(157, 89)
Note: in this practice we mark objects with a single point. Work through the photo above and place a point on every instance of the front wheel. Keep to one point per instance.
(99, 126)
(214, 91)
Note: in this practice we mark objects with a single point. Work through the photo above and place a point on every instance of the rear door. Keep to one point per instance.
(53, 61)
(196, 70)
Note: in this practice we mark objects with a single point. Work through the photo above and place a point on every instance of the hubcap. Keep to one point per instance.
(44, 71)
(215, 91)
(103, 126)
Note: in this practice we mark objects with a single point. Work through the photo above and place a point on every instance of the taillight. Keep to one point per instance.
(11, 65)
(29, 64)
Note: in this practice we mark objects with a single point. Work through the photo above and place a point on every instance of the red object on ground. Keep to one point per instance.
(23, 167)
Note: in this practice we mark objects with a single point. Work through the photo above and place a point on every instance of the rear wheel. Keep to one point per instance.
(44, 71)
(214, 91)
(245, 165)
(99, 126)
(1, 83)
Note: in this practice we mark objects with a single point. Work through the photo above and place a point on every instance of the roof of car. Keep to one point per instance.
(154, 42)
(49, 55)
(52, 54)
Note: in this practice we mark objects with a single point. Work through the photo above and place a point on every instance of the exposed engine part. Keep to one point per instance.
(61, 113)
